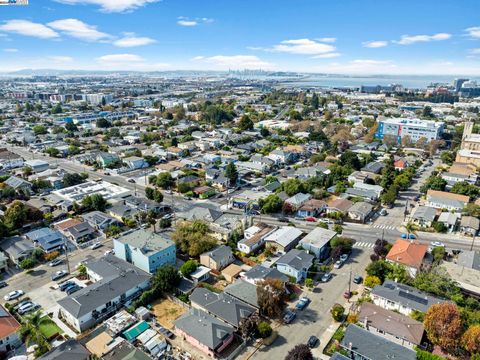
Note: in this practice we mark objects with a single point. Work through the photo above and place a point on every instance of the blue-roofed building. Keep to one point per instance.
(47, 239)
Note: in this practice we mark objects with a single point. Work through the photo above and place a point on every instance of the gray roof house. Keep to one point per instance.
(17, 248)
(402, 298)
(363, 193)
(115, 282)
(217, 258)
(295, 263)
(204, 331)
(70, 349)
(424, 216)
(223, 306)
(99, 220)
(284, 238)
(469, 259)
(298, 200)
(19, 184)
(244, 291)
(259, 273)
(49, 240)
(362, 344)
(469, 225)
(360, 211)
(317, 242)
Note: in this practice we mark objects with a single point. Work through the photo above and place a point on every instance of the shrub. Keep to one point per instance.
(28, 263)
(188, 267)
(337, 312)
(371, 281)
(309, 283)
(264, 329)
(51, 256)
(352, 318)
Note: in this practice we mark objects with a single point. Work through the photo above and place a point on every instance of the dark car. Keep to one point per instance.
(283, 219)
(357, 279)
(3, 284)
(65, 285)
(73, 289)
(289, 316)
(312, 341)
(302, 303)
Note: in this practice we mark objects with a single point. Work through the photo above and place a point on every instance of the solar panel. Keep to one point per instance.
(389, 286)
(413, 297)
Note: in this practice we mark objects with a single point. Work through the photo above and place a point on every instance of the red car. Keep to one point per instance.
(310, 219)
(347, 294)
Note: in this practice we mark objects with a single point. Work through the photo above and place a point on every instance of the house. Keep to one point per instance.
(296, 201)
(125, 351)
(107, 159)
(135, 162)
(145, 249)
(115, 282)
(409, 254)
(360, 211)
(377, 189)
(3, 262)
(201, 274)
(449, 220)
(19, 184)
(37, 165)
(259, 273)
(217, 258)
(17, 248)
(199, 213)
(231, 272)
(284, 238)
(311, 208)
(469, 225)
(424, 216)
(339, 206)
(70, 349)
(204, 192)
(361, 344)
(282, 157)
(400, 164)
(469, 259)
(75, 229)
(402, 298)
(254, 238)
(392, 326)
(9, 331)
(244, 291)
(374, 167)
(99, 220)
(446, 200)
(47, 239)
(368, 195)
(223, 306)
(317, 242)
(465, 277)
(295, 263)
(204, 331)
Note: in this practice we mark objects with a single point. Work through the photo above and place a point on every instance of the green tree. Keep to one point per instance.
(53, 152)
(264, 329)
(164, 180)
(337, 312)
(231, 173)
(39, 130)
(388, 173)
(72, 179)
(15, 216)
(245, 123)
(434, 182)
(57, 109)
(314, 101)
(27, 263)
(371, 281)
(103, 123)
(193, 238)
(350, 159)
(30, 333)
(293, 186)
(309, 283)
(188, 267)
(94, 202)
(464, 188)
(271, 204)
(427, 112)
(379, 268)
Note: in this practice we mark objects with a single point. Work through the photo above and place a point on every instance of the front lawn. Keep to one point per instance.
(48, 328)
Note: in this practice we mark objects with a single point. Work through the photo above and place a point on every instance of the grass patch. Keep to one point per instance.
(333, 344)
(210, 287)
(48, 328)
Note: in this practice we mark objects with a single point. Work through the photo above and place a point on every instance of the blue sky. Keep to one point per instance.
(335, 36)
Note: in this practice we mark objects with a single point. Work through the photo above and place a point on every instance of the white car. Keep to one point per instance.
(437, 244)
(15, 294)
(338, 264)
(95, 246)
(28, 307)
(108, 252)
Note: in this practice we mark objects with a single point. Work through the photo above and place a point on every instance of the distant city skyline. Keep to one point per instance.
(342, 37)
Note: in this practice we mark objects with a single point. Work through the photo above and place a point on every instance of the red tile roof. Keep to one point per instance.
(408, 253)
(8, 324)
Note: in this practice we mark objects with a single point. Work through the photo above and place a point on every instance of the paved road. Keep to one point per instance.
(316, 318)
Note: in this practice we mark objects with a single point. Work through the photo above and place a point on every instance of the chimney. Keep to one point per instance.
(350, 346)
(365, 322)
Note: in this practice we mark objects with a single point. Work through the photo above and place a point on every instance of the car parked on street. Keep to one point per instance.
(59, 274)
(30, 306)
(312, 341)
(357, 279)
(65, 285)
(338, 264)
(302, 303)
(3, 284)
(326, 277)
(344, 257)
(12, 295)
(289, 316)
(55, 262)
(95, 246)
(408, 236)
(72, 289)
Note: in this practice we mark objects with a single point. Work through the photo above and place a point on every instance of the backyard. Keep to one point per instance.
(166, 311)
(48, 328)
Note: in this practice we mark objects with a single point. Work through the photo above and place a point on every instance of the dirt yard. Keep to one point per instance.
(166, 311)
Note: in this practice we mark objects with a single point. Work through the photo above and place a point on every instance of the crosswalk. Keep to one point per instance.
(385, 227)
(363, 244)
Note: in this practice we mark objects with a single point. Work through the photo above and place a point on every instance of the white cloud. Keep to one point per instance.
(111, 5)
(223, 62)
(327, 39)
(28, 28)
(360, 66)
(10, 50)
(130, 40)
(326, 56)
(303, 47)
(375, 44)
(475, 51)
(120, 58)
(473, 32)
(185, 21)
(78, 29)
(408, 40)
(60, 59)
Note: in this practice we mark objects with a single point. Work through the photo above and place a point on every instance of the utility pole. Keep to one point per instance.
(350, 284)
(66, 254)
(473, 240)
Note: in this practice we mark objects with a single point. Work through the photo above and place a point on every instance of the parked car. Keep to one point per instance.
(73, 289)
(357, 279)
(338, 264)
(96, 246)
(344, 257)
(326, 277)
(312, 341)
(59, 274)
(408, 236)
(302, 303)
(12, 295)
(437, 244)
(3, 284)
(289, 316)
(347, 294)
(30, 306)
(108, 252)
(310, 219)
(383, 212)
(72, 285)
(283, 219)
(130, 180)
(65, 285)
(55, 262)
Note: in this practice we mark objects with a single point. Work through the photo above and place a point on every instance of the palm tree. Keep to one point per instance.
(411, 228)
(29, 332)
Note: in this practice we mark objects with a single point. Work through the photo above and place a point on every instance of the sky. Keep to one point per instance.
(408, 37)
